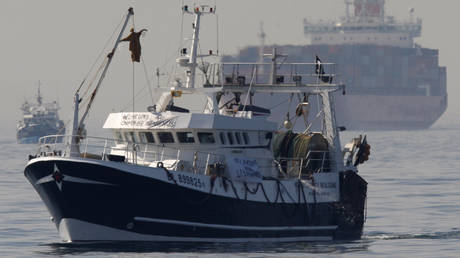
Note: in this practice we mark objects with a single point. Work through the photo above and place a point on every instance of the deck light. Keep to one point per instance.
(176, 93)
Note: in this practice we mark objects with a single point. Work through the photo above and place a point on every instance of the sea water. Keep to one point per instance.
(413, 207)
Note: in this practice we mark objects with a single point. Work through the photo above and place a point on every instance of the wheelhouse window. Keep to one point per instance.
(222, 138)
(185, 137)
(142, 137)
(265, 137)
(165, 137)
(246, 138)
(128, 137)
(118, 137)
(238, 137)
(230, 138)
(206, 138)
(146, 137)
(134, 137)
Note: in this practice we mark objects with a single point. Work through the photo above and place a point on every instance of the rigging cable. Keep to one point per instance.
(93, 79)
(133, 95)
(100, 53)
(174, 54)
(134, 29)
(128, 104)
(141, 90)
(250, 87)
(224, 180)
(181, 38)
(289, 108)
(313, 120)
(277, 105)
(217, 32)
(149, 85)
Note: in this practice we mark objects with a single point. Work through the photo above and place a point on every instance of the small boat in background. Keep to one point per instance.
(39, 119)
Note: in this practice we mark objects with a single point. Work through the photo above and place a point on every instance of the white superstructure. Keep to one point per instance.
(367, 25)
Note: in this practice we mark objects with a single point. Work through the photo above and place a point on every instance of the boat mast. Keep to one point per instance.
(274, 65)
(74, 149)
(193, 51)
(77, 127)
(39, 96)
(331, 129)
(197, 11)
(348, 3)
(262, 36)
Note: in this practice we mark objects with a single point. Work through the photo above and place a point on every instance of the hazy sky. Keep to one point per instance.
(57, 41)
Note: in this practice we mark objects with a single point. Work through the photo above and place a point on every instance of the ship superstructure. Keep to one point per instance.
(393, 83)
(39, 119)
(367, 25)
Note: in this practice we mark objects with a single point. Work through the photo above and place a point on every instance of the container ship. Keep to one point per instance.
(392, 82)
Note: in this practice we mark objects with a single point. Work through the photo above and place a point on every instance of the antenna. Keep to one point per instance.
(197, 11)
(411, 13)
(158, 74)
(261, 36)
(382, 11)
(348, 3)
(274, 55)
(39, 96)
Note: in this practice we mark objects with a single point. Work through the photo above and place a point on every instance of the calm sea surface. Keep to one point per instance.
(413, 207)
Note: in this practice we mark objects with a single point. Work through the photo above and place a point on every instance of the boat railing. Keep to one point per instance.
(187, 160)
(146, 154)
(314, 162)
(244, 74)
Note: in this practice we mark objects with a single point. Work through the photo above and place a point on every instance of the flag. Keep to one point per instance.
(319, 67)
(319, 70)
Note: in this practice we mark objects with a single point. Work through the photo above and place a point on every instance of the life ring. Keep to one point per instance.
(160, 165)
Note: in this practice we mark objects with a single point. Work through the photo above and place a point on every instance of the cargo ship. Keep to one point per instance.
(392, 82)
(39, 119)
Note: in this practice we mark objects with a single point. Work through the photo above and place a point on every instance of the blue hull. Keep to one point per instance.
(35, 139)
(28, 140)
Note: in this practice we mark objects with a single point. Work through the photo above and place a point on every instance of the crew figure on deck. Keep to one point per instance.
(134, 44)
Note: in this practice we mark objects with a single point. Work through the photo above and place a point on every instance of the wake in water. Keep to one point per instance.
(280, 249)
(454, 234)
(336, 247)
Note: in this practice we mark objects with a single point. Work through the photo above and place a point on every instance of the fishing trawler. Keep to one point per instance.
(393, 83)
(225, 174)
(39, 119)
